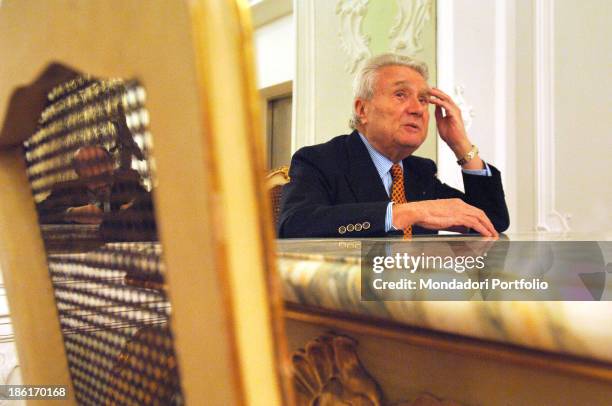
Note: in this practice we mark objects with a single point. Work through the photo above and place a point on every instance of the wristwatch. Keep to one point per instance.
(469, 156)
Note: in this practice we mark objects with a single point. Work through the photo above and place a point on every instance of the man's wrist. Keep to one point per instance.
(461, 148)
(404, 215)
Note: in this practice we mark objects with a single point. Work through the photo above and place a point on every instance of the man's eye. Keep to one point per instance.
(400, 94)
(424, 99)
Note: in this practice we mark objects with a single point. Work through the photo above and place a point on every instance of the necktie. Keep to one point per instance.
(398, 194)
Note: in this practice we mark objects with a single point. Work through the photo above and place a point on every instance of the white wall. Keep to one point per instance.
(536, 73)
(583, 113)
(563, 115)
(477, 52)
(275, 52)
(522, 169)
(332, 99)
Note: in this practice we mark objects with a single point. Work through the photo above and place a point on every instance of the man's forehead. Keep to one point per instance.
(402, 76)
(411, 85)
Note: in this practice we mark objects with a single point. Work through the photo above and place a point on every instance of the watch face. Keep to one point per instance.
(469, 156)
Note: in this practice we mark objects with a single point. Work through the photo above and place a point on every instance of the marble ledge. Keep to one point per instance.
(327, 274)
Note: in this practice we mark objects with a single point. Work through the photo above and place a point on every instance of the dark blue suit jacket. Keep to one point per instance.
(335, 187)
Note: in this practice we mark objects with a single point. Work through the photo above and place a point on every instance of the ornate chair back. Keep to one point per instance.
(275, 181)
(137, 287)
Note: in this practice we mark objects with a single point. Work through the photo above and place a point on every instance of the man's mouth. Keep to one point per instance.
(412, 126)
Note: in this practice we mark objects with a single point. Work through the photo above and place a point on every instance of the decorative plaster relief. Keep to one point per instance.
(405, 34)
(354, 42)
(467, 110)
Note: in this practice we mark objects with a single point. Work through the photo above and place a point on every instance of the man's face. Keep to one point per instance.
(95, 167)
(395, 119)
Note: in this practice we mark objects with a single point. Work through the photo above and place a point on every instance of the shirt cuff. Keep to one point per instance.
(480, 172)
(389, 218)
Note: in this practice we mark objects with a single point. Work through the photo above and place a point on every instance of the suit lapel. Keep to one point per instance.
(362, 175)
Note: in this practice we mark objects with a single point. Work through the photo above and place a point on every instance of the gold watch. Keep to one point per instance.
(469, 156)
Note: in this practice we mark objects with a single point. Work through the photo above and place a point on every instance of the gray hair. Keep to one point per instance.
(363, 85)
(81, 158)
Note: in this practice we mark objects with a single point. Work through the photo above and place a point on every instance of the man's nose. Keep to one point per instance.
(415, 107)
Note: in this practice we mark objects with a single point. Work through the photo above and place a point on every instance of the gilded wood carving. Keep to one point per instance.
(328, 372)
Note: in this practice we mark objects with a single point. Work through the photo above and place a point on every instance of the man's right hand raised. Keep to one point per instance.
(442, 214)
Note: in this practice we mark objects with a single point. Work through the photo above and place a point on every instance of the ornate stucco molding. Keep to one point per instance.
(467, 110)
(354, 42)
(405, 34)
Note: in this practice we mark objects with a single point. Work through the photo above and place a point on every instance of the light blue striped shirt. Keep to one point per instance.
(383, 166)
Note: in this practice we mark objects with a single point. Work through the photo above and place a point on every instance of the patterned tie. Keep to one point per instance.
(398, 195)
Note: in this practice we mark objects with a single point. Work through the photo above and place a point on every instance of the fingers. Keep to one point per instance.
(473, 218)
(491, 232)
(441, 99)
(438, 113)
(475, 224)
(453, 214)
(461, 220)
(449, 106)
(482, 219)
(434, 91)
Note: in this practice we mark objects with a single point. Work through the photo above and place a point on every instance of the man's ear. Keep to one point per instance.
(360, 110)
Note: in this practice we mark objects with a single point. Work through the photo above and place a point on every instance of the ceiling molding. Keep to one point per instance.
(266, 11)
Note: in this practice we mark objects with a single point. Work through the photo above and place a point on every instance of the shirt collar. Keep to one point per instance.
(382, 163)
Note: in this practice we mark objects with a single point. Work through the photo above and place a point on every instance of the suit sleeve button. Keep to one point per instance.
(366, 225)
(342, 229)
(358, 227)
(350, 228)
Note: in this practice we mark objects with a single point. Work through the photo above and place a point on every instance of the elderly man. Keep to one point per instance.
(103, 195)
(368, 183)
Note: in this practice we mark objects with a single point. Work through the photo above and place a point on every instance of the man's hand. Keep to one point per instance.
(88, 214)
(451, 128)
(442, 214)
(127, 205)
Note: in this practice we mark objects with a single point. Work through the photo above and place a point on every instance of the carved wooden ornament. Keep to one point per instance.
(328, 372)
